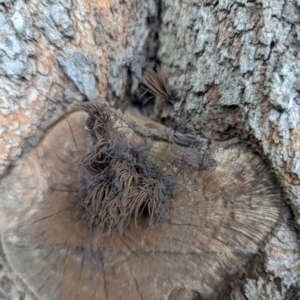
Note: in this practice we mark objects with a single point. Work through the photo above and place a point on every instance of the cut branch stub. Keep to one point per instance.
(217, 219)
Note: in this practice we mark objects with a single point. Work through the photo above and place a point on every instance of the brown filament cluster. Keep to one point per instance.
(158, 85)
(117, 180)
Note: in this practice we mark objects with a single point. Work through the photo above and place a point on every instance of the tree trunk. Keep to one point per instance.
(235, 64)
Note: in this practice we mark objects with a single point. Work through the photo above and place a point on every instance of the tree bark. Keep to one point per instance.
(235, 64)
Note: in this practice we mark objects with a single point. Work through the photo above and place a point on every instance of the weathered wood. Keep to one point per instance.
(235, 64)
(219, 219)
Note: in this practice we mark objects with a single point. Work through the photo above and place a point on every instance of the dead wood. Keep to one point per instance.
(218, 218)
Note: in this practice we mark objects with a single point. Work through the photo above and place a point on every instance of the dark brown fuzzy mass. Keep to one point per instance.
(117, 181)
(158, 85)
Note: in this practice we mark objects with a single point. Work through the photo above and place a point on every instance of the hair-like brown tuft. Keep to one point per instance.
(117, 181)
(158, 85)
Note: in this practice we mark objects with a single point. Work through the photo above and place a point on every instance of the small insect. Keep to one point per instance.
(157, 84)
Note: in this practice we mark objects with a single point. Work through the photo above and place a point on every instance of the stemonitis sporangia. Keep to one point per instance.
(157, 84)
(167, 216)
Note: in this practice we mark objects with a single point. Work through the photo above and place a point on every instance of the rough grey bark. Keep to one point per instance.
(235, 63)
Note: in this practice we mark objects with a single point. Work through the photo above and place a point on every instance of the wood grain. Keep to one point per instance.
(218, 220)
